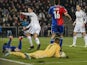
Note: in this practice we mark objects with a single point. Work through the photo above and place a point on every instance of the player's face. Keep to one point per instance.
(29, 10)
(78, 8)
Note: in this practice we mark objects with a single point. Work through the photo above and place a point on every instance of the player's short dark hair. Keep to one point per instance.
(57, 40)
(31, 7)
(79, 5)
(56, 2)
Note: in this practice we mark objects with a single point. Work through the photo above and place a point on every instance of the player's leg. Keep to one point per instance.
(54, 31)
(52, 38)
(30, 40)
(76, 29)
(85, 38)
(36, 54)
(6, 46)
(19, 54)
(20, 44)
(37, 40)
(61, 30)
(74, 39)
(84, 35)
(61, 41)
(9, 42)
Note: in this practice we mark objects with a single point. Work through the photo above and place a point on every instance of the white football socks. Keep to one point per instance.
(74, 40)
(30, 40)
(85, 39)
(37, 41)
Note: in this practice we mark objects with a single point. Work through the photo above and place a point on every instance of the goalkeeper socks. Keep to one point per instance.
(61, 41)
(52, 41)
(30, 40)
(74, 40)
(85, 39)
(37, 41)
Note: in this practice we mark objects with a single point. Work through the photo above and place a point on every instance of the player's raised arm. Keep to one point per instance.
(27, 14)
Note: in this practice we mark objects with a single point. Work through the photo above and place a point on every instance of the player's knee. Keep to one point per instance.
(35, 36)
(84, 34)
(29, 37)
(74, 34)
(53, 35)
(61, 35)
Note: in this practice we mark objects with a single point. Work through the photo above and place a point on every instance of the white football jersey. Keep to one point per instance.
(80, 17)
(33, 17)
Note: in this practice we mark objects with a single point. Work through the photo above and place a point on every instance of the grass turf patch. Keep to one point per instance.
(77, 55)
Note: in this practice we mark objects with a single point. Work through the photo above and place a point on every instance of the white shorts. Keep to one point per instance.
(79, 28)
(33, 30)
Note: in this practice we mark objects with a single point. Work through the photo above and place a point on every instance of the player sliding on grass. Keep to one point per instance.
(52, 50)
(57, 26)
(33, 28)
(7, 46)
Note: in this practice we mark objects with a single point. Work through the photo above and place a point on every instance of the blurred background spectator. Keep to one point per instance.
(10, 11)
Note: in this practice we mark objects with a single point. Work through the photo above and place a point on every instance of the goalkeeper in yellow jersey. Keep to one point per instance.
(52, 50)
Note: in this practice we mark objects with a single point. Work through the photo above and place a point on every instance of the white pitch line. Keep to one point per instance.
(76, 46)
(18, 62)
(67, 62)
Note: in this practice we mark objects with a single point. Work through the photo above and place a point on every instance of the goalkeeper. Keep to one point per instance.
(52, 50)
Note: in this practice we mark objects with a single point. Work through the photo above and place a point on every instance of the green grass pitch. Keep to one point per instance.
(77, 55)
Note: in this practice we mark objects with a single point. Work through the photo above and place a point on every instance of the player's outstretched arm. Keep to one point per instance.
(66, 14)
(27, 14)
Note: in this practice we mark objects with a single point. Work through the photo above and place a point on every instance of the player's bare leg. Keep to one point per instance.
(30, 40)
(74, 39)
(85, 38)
(37, 40)
(52, 38)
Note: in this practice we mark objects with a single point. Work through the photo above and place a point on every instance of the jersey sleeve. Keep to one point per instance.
(27, 14)
(28, 26)
(84, 17)
(50, 10)
(64, 10)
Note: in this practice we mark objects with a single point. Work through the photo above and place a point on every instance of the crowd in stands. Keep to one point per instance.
(10, 11)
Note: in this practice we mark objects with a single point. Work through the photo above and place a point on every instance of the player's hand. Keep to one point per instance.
(74, 24)
(21, 12)
(70, 19)
(24, 28)
(83, 26)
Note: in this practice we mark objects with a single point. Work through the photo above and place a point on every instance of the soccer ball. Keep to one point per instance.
(62, 54)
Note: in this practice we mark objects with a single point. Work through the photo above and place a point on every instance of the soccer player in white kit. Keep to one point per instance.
(79, 25)
(33, 28)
